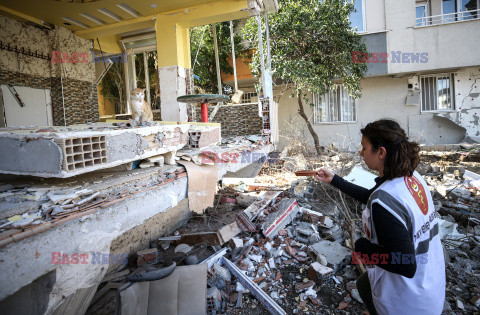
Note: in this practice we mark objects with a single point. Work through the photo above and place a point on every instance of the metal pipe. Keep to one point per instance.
(217, 61)
(233, 57)
(147, 77)
(63, 102)
(260, 47)
(267, 31)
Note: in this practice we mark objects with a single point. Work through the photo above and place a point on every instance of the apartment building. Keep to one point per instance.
(423, 71)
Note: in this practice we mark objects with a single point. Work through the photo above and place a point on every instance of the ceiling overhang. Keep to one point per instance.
(112, 17)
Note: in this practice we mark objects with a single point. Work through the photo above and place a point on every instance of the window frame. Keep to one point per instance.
(451, 76)
(340, 107)
(425, 20)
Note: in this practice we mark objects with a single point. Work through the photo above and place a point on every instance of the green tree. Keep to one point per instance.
(311, 44)
(203, 54)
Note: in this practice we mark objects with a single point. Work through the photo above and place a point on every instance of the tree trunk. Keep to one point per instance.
(318, 148)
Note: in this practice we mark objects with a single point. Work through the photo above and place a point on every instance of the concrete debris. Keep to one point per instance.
(169, 158)
(146, 164)
(147, 256)
(333, 251)
(61, 197)
(25, 221)
(287, 209)
(295, 163)
(306, 233)
(283, 251)
(460, 305)
(183, 248)
(56, 210)
(246, 199)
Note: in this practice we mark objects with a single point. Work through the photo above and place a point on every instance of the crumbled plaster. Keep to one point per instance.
(467, 102)
(60, 39)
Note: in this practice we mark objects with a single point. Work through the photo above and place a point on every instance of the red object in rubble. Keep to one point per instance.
(204, 112)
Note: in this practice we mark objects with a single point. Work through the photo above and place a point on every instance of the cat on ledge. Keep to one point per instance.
(141, 110)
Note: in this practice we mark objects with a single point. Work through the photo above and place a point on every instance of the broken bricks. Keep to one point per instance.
(147, 257)
(318, 272)
(287, 209)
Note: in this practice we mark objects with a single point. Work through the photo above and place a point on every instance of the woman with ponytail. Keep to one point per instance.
(401, 248)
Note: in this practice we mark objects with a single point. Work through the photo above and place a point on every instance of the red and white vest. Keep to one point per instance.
(410, 201)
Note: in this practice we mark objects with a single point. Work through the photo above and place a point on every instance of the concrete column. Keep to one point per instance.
(173, 83)
(173, 49)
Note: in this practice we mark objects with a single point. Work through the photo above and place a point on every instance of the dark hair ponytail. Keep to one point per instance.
(402, 155)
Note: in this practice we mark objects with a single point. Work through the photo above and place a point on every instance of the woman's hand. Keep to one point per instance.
(324, 175)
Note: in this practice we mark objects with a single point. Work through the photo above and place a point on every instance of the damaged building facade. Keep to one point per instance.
(421, 72)
(74, 188)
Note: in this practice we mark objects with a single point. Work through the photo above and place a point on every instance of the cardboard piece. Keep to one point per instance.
(361, 177)
(202, 184)
(181, 293)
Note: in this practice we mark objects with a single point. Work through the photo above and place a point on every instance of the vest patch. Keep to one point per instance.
(418, 192)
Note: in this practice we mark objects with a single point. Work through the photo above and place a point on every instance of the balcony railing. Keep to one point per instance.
(448, 18)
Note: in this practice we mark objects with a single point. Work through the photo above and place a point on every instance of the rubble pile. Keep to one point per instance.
(293, 254)
(283, 245)
(453, 178)
(28, 208)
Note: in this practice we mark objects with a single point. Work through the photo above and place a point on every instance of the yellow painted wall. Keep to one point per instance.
(105, 106)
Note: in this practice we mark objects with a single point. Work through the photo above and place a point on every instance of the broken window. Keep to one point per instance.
(465, 9)
(334, 106)
(437, 92)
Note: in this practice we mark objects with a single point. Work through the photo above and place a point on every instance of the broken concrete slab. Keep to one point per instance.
(306, 233)
(333, 251)
(73, 150)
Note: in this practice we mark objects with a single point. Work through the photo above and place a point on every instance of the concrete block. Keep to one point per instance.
(199, 138)
(169, 158)
(318, 273)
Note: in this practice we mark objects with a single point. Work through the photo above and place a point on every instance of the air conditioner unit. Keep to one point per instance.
(413, 83)
(413, 96)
